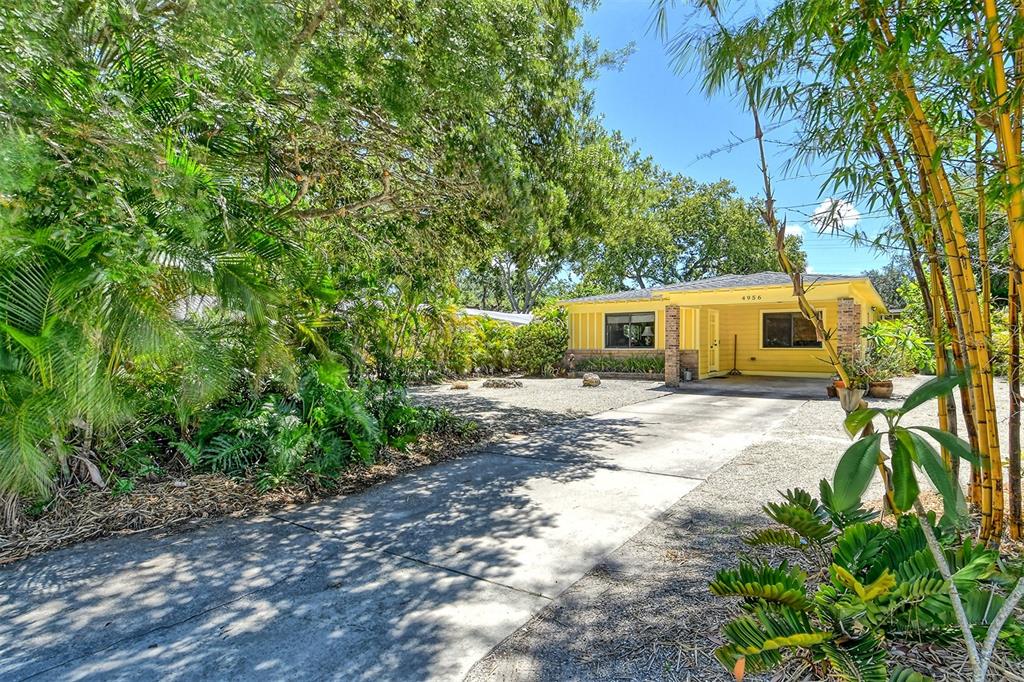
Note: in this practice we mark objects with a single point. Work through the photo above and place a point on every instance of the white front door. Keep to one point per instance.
(713, 341)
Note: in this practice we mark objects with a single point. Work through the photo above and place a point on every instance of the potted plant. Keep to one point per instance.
(880, 368)
(852, 390)
(834, 383)
(880, 388)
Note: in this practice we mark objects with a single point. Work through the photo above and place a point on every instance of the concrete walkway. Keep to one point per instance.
(415, 579)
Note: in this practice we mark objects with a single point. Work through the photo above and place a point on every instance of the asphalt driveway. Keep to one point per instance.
(415, 579)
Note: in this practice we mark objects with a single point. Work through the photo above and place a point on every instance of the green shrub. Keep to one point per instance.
(327, 425)
(639, 364)
(879, 583)
(539, 347)
(896, 349)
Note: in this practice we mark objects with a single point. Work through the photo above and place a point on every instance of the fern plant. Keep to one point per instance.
(878, 584)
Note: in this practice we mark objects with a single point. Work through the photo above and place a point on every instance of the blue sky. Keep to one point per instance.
(669, 118)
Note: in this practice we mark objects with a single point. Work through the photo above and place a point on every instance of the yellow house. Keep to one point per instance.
(747, 322)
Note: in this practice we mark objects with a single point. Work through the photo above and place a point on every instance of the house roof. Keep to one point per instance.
(517, 319)
(759, 279)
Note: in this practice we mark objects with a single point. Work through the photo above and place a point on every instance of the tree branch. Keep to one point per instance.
(996, 626)
(312, 24)
(383, 196)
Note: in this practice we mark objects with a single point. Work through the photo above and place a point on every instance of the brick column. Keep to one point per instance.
(671, 345)
(848, 328)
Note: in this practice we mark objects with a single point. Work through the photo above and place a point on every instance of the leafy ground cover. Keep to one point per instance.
(176, 499)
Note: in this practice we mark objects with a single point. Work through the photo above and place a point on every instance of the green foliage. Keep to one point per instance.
(896, 349)
(638, 364)
(673, 229)
(889, 279)
(810, 525)
(882, 584)
(539, 347)
(999, 346)
(761, 582)
(908, 452)
(201, 201)
(312, 434)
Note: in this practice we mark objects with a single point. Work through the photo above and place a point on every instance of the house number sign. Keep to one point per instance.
(751, 297)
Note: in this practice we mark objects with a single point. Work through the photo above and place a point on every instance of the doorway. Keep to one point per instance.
(713, 341)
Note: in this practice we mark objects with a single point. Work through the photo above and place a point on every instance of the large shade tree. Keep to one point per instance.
(676, 229)
(211, 184)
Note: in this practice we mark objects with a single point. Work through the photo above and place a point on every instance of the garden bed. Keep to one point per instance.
(639, 376)
(85, 512)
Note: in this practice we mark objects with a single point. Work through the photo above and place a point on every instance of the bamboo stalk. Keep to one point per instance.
(1008, 135)
(1015, 525)
(986, 270)
(957, 346)
(964, 290)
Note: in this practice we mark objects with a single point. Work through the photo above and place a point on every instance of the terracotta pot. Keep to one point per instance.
(839, 383)
(880, 389)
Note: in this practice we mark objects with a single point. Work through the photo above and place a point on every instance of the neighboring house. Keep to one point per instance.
(701, 319)
(515, 319)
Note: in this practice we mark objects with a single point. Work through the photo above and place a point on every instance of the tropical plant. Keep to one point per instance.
(315, 433)
(896, 349)
(540, 347)
(881, 585)
(908, 452)
(200, 201)
(909, 108)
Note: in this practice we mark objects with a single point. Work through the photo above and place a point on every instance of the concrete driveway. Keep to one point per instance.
(415, 579)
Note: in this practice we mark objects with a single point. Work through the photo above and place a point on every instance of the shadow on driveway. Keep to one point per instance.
(412, 579)
(786, 388)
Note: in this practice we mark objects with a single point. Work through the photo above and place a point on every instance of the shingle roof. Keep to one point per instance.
(760, 279)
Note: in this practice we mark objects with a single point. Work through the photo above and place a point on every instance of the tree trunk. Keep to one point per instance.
(1015, 524)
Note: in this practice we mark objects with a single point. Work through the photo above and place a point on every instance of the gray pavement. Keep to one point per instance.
(414, 579)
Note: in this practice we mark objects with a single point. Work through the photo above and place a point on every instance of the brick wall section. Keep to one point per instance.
(848, 328)
(671, 345)
(581, 353)
(689, 359)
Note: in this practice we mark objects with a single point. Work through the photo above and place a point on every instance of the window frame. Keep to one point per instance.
(653, 323)
(791, 312)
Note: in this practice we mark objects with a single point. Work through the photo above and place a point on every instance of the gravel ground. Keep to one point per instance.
(645, 612)
(537, 403)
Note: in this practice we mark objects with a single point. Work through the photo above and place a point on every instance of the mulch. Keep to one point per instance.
(81, 513)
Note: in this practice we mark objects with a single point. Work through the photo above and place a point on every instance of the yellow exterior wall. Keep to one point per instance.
(689, 328)
(702, 335)
(739, 315)
(744, 322)
(586, 321)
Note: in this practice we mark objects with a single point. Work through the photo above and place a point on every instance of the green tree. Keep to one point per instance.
(678, 230)
(889, 279)
(211, 187)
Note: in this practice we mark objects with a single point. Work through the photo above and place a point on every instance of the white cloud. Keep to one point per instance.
(810, 270)
(794, 230)
(835, 214)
